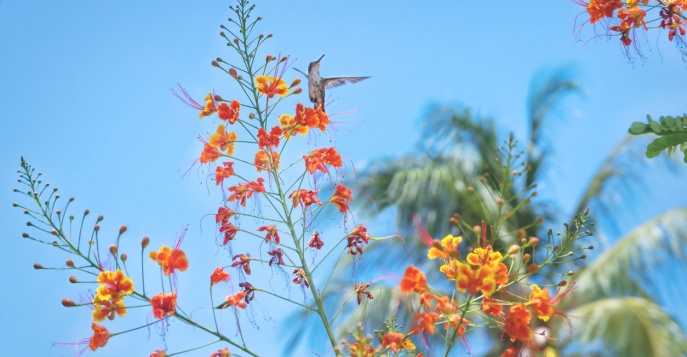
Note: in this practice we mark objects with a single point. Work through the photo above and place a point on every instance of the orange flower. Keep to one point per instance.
(317, 158)
(108, 308)
(341, 198)
(99, 338)
(491, 306)
(361, 291)
(242, 192)
(229, 231)
(356, 239)
(517, 323)
(209, 154)
(158, 353)
(223, 215)
(262, 160)
(164, 305)
(540, 304)
(453, 321)
(223, 140)
(361, 348)
(444, 306)
(269, 86)
(290, 127)
(237, 300)
(210, 106)
(305, 197)
(113, 285)
(424, 322)
(272, 233)
(223, 172)
(447, 248)
(218, 275)
(311, 118)
(271, 139)
(598, 9)
(413, 280)
(170, 259)
(222, 353)
(300, 278)
(229, 112)
(510, 352)
(396, 342)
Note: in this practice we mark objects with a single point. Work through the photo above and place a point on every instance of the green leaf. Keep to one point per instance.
(664, 142)
(638, 128)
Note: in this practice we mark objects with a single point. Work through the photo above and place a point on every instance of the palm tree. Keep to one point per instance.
(457, 149)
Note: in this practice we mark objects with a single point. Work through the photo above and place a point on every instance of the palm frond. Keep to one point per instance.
(627, 327)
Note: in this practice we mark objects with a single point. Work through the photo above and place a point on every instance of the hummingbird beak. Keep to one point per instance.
(318, 61)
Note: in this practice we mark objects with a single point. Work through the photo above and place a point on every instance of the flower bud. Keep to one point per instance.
(514, 249)
(113, 249)
(268, 58)
(499, 201)
(583, 256)
(540, 220)
(53, 232)
(59, 212)
(526, 258)
(455, 219)
(571, 273)
(86, 212)
(232, 72)
(251, 116)
(26, 211)
(25, 235)
(73, 280)
(70, 263)
(123, 257)
(122, 229)
(295, 82)
(71, 199)
(236, 40)
(563, 283)
(533, 268)
(534, 241)
(556, 247)
(214, 64)
(298, 90)
(144, 242)
(37, 266)
(68, 303)
(477, 229)
(96, 228)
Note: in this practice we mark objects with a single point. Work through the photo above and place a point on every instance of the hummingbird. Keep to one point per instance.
(317, 84)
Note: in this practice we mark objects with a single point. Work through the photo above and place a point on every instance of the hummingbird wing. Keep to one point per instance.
(339, 81)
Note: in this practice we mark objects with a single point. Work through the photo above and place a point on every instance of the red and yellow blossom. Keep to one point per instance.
(414, 281)
(222, 353)
(209, 154)
(218, 275)
(454, 320)
(305, 197)
(272, 233)
(99, 338)
(108, 308)
(223, 140)
(598, 9)
(491, 306)
(241, 192)
(229, 112)
(356, 238)
(229, 231)
(164, 305)
(317, 158)
(270, 139)
(243, 261)
(210, 106)
(159, 353)
(341, 198)
(540, 304)
(170, 259)
(517, 324)
(271, 86)
(113, 285)
(425, 322)
(396, 342)
(223, 215)
(262, 160)
(510, 352)
(447, 248)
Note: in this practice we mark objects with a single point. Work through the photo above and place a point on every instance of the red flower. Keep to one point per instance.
(491, 306)
(305, 197)
(356, 238)
(242, 192)
(236, 300)
(164, 305)
(517, 323)
(223, 214)
(222, 353)
(277, 256)
(272, 233)
(425, 322)
(223, 140)
(223, 172)
(218, 275)
(262, 160)
(99, 338)
(209, 154)
(158, 353)
(300, 278)
(268, 140)
(361, 291)
(170, 259)
(317, 158)
(315, 241)
(229, 231)
(243, 261)
(341, 198)
(229, 112)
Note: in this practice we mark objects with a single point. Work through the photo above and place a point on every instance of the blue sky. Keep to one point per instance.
(85, 100)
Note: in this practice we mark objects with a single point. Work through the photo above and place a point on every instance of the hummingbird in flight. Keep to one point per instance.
(317, 84)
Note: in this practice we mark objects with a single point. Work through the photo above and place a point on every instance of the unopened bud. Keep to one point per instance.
(96, 228)
(534, 241)
(232, 72)
(70, 263)
(284, 59)
(113, 249)
(53, 232)
(295, 82)
(214, 64)
(556, 247)
(563, 283)
(298, 90)
(71, 199)
(533, 268)
(25, 235)
(526, 258)
(217, 98)
(100, 218)
(591, 247)
(37, 266)
(455, 219)
(251, 116)
(144, 242)
(571, 273)
(499, 201)
(122, 229)
(236, 40)
(68, 303)
(26, 211)
(477, 229)
(269, 58)
(540, 220)
(583, 256)
(73, 280)
(123, 257)
(514, 249)
(86, 212)
(534, 194)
